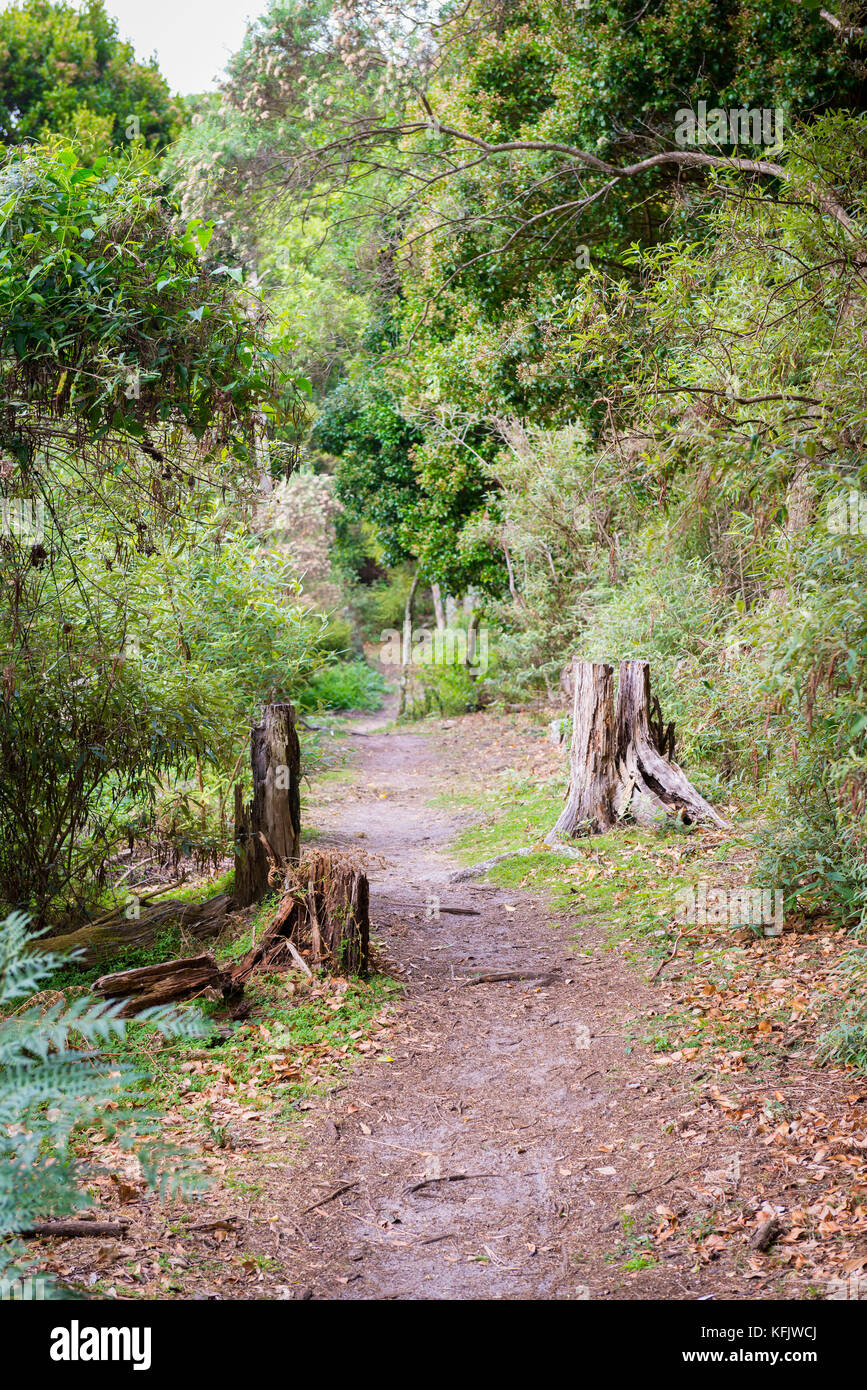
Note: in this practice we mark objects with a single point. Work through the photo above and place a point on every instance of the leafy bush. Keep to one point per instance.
(345, 685)
(817, 854)
(53, 1087)
(140, 623)
(667, 609)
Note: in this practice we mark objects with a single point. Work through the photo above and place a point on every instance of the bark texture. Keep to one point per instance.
(166, 983)
(651, 784)
(268, 828)
(593, 773)
(103, 941)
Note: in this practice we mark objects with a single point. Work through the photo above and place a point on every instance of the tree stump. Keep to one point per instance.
(592, 767)
(622, 762)
(324, 911)
(651, 785)
(268, 828)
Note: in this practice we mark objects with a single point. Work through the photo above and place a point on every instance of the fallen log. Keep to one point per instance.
(167, 983)
(100, 943)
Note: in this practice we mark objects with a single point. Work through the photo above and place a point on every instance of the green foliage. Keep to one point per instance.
(444, 690)
(362, 425)
(54, 1084)
(64, 69)
(343, 685)
(139, 621)
(110, 327)
(817, 854)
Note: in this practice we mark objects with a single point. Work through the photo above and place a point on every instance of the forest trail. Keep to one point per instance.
(514, 1139)
(601, 1119)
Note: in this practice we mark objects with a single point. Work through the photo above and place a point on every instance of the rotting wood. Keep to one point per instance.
(171, 981)
(767, 1233)
(325, 909)
(100, 943)
(593, 769)
(652, 786)
(67, 1229)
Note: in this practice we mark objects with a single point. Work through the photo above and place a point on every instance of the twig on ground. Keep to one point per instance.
(451, 1177)
(330, 1198)
(668, 959)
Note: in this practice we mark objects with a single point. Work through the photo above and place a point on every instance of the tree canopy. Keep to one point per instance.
(64, 68)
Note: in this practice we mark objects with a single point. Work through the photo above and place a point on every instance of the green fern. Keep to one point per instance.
(54, 1084)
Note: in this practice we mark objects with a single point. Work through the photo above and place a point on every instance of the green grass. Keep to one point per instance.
(282, 1023)
(167, 945)
(635, 1251)
(624, 893)
(199, 892)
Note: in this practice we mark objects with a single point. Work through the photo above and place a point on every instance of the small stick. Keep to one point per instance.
(298, 958)
(452, 1177)
(75, 1228)
(339, 1193)
(509, 975)
(667, 959)
(642, 1191)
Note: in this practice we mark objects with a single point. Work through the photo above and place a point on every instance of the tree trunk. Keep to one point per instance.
(440, 612)
(621, 764)
(592, 768)
(268, 828)
(406, 645)
(651, 785)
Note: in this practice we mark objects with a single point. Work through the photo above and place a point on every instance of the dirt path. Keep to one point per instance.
(578, 1126)
(514, 1140)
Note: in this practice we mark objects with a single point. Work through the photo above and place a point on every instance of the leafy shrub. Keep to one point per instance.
(816, 852)
(345, 685)
(668, 611)
(444, 690)
(381, 605)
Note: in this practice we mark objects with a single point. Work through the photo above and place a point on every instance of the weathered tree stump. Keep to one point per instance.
(324, 911)
(622, 762)
(593, 771)
(268, 828)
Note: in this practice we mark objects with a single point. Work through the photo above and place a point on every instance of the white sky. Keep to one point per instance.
(192, 39)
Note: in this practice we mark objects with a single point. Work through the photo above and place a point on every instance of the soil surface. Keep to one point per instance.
(507, 1134)
(515, 1134)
